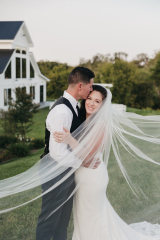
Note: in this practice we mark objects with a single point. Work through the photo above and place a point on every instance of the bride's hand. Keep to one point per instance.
(62, 136)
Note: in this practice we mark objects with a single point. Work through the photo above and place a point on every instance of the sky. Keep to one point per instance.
(67, 30)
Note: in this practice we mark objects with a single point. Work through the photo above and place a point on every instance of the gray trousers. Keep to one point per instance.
(55, 227)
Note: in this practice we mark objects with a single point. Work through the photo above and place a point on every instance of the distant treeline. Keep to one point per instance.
(135, 83)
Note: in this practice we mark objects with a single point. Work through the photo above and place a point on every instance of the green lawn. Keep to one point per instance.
(25, 219)
(144, 112)
(19, 165)
(50, 99)
(20, 224)
(38, 129)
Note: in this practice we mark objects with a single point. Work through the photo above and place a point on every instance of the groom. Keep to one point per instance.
(64, 113)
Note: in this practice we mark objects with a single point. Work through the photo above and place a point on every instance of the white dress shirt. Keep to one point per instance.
(61, 116)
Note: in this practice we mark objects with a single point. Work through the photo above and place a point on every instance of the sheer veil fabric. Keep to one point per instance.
(131, 149)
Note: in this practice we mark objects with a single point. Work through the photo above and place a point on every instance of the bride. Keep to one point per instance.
(94, 217)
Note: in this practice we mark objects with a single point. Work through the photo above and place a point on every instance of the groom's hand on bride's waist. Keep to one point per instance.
(91, 165)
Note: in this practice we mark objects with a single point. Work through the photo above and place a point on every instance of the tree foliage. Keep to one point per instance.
(141, 60)
(135, 83)
(58, 75)
(58, 81)
(156, 77)
(19, 117)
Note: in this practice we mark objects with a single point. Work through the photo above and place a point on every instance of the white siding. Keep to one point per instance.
(22, 42)
(20, 39)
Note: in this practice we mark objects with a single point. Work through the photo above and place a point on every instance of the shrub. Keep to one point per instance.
(5, 156)
(5, 140)
(18, 149)
(37, 143)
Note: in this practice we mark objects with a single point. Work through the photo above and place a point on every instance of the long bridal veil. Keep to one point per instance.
(131, 150)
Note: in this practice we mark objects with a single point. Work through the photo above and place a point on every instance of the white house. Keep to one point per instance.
(18, 67)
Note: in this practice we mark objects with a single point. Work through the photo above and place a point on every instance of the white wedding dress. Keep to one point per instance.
(95, 218)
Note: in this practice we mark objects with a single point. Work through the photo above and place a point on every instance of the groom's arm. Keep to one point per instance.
(55, 122)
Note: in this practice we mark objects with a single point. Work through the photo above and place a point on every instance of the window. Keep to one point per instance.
(20, 74)
(18, 50)
(18, 67)
(32, 91)
(23, 51)
(23, 68)
(41, 93)
(31, 71)
(8, 71)
(7, 96)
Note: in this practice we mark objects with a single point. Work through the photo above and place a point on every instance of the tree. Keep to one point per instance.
(152, 62)
(124, 80)
(58, 80)
(156, 77)
(105, 73)
(133, 83)
(7, 124)
(20, 114)
(144, 89)
(156, 73)
(141, 60)
(120, 56)
(46, 67)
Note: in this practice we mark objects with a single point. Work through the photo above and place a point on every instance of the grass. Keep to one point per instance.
(144, 112)
(19, 165)
(38, 129)
(20, 224)
(50, 99)
(126, 204)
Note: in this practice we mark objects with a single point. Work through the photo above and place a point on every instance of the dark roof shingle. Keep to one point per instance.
(9, 29)
(5, 55)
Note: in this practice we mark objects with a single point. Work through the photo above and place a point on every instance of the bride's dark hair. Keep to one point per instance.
(97, 88)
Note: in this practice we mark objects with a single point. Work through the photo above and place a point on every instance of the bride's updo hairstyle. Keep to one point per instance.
(97, 88)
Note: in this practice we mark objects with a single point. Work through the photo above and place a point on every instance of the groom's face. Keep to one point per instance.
(86, 89)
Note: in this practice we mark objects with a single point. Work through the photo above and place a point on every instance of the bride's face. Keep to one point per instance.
(93, 101)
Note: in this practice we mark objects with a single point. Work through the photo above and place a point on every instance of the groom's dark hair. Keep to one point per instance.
(80, 74)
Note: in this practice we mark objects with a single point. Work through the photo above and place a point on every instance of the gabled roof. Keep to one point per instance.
(9, 29)
(5, 55)
(37, 68)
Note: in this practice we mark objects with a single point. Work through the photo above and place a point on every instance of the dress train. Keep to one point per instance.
(95, 218)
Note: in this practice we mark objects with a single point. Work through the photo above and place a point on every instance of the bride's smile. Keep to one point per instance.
(92, 102)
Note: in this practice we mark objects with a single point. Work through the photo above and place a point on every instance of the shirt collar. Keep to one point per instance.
(72, 100)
